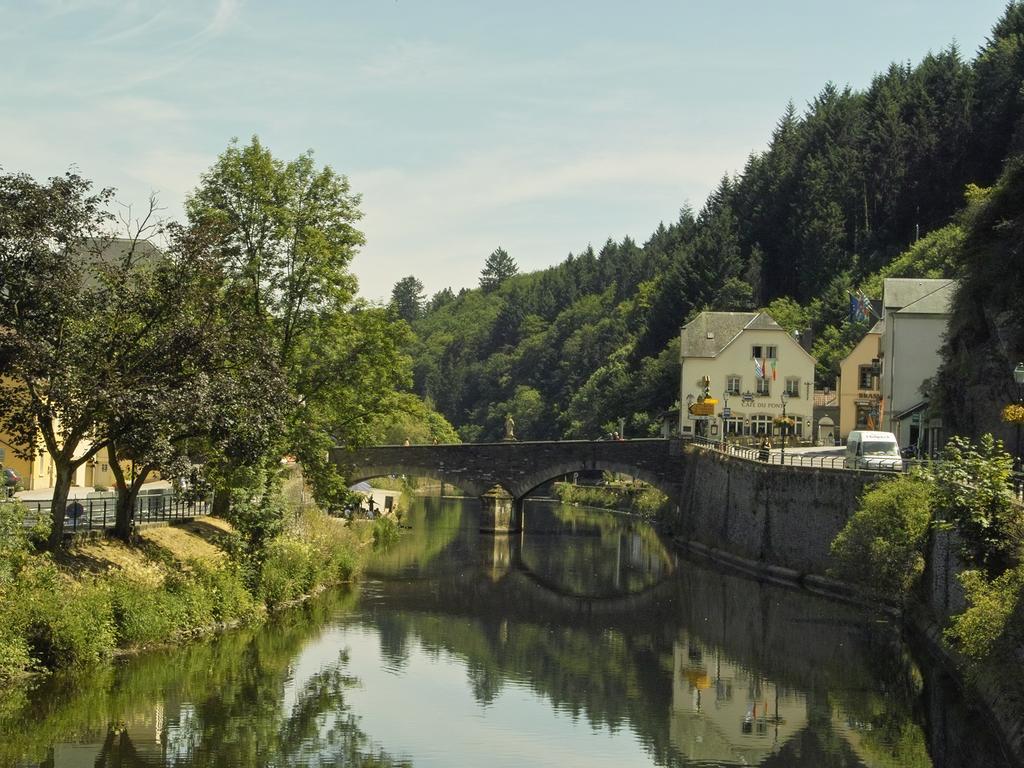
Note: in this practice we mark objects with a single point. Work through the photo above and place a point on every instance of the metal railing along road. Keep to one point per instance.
(794, 459)
(99, 514)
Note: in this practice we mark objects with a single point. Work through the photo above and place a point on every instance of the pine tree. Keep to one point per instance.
(407, 297)
(497, 269)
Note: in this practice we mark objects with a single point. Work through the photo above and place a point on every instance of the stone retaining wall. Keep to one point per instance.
(777, 515)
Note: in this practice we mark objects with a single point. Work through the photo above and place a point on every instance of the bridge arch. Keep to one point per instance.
(464, 483)
(533, 480)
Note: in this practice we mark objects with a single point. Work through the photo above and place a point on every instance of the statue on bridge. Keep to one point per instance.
(510, 427)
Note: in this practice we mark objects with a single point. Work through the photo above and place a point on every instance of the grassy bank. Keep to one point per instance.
(101, 596)
(635, 498)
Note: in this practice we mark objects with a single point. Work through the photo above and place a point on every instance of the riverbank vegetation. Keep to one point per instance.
(226, 695)
(883, 548)
(633, 497)
(99, 597)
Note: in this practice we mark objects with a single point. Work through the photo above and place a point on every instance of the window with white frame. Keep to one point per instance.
(760, 424)
(763, 388)
(793, 387)
(732, 384)
(764, 351)
(734, 426)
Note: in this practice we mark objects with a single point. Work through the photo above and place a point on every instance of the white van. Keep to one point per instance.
(873, 450)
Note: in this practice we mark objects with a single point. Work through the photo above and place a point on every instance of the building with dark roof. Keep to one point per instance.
(735, 368)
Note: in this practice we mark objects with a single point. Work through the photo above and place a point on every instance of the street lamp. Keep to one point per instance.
(784, 397)
(1018, 377)
(725, 410)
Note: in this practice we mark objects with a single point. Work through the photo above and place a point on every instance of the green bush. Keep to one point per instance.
(599, 496)
(994, 616)
(385, 532)
(289, 571)
(15, 655)
(64, 623)
(336, 544)
(635, 498)
(15, 541)
(143, 614)
(973, 493)
(189, 603)
(882, 545)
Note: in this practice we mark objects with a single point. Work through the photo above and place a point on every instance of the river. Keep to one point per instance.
(584, 641)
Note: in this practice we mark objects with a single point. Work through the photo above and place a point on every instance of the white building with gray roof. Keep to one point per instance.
(916, 314)
(746, 361)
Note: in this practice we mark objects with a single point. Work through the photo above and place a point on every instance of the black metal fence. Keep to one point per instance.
(99, 514)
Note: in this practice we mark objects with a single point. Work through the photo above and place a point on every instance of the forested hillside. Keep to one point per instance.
(858, 185)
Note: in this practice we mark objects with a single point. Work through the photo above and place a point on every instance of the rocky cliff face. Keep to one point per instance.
(986, 331)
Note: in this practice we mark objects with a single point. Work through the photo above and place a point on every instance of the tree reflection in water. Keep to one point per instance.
(699, 666)
(232, 701)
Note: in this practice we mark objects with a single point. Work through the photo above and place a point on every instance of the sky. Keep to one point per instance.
(539, 127)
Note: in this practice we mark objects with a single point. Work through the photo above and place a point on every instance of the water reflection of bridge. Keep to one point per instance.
(528, 575)
(756, 670)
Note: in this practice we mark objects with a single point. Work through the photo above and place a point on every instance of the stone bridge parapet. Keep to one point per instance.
(518, 467)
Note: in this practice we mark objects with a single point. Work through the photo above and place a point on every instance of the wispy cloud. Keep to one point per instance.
(456, 214)
(224, 15)
(133, 29)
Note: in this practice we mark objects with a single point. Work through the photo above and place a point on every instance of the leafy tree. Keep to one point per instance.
(287, 237)
(787, 313)
(216, 390)
(54, 384)
(407, 297)
(973, 492)
(412, 419)
(440, 299)
(529, 410)
(882, 545)
(498, 268)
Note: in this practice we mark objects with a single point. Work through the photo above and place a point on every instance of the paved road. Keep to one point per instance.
(79, 492)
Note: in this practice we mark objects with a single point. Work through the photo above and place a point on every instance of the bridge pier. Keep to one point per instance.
(499, 554)
(500, 512)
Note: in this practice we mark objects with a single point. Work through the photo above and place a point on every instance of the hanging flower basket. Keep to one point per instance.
(1014, 413)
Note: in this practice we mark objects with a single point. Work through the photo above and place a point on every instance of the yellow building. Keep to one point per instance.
(860, 400)
(39, 471)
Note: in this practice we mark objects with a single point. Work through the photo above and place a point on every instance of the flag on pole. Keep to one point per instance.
(773, 371)
(866, 308)
(758, 369)
(857, 312)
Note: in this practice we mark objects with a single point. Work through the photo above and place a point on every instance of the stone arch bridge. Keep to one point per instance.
(767, 514)
(517, 468)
